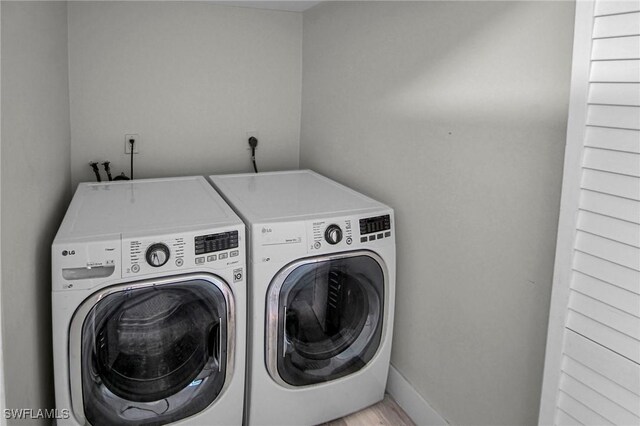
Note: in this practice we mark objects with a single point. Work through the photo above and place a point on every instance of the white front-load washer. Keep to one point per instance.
(149, 305)
(321, 295)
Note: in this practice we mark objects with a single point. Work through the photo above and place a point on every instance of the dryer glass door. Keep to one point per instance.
(155, 353)
(329, 318)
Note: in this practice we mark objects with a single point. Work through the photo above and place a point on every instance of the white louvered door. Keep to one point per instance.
(592, 366)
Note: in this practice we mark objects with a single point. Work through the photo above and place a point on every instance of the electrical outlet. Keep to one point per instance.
(250, 133)
(136, 144)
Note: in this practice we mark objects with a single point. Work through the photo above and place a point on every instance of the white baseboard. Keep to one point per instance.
(411, 402)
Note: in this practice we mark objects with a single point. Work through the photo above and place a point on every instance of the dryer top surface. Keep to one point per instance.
(146, 205)
(264, 197)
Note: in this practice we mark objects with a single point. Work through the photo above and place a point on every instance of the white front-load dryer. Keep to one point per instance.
(321, 295)
(149, 305)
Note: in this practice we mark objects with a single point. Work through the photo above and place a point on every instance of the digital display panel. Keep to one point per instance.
(370, 225)
(216, 242)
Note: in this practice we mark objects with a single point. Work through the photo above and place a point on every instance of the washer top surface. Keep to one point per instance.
(289, 195)
(144, 205)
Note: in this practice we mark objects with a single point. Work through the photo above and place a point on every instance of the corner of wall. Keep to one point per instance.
(420, 411)
(35, 119)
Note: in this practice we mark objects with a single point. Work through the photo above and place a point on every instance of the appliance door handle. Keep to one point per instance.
(219, 343)
(284, 333)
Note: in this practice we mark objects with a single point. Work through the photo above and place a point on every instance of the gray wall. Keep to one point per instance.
(454, 113)
(191, 79)
(35, 183)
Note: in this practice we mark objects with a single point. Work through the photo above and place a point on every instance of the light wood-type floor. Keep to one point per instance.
(385, 413)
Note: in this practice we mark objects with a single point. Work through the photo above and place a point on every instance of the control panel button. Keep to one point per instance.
(157, 255)
(349, 240)
(372, 237)
(135, 268)
(317, 245)
(199, 260)
(380, 236)
(234, 253)
(387, 234)
(363, 239)
(212, 258)
(223, 256)
(333, 234)
(179, 261)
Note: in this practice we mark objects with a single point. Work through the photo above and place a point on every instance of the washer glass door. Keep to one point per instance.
(153, 354)
(324, 318)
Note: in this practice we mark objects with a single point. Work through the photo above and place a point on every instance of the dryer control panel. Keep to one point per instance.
(286, 240)
(346, 232)
(375, 228)
(331, 232)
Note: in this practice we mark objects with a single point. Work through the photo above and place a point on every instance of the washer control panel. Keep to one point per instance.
(149, 255)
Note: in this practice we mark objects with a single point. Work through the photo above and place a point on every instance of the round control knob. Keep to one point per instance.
(333, 234)
(157, 254)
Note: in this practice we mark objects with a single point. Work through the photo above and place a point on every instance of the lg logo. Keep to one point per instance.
(68, 252)
(266, 230)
